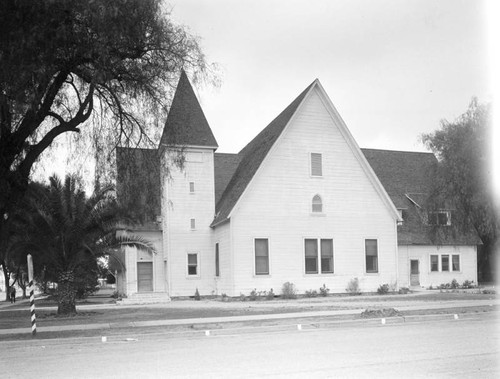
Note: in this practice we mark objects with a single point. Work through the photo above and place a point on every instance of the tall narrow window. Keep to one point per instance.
(371, 251)
(261, 256)
(193, 224)
(434, 262)
(311, 256)
(445, 263)
(317, 204)
(455, 262)
(217, 259)
(191, 187)
(192, 264)
(326, 256)
(316, 164)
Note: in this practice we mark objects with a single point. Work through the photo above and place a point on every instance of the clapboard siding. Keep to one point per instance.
(222, 236)
(180, 206)
(468, 264)
(277, 205)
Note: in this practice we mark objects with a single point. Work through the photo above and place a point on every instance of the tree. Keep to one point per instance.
(464, 153)
(68, 232)
(63, 60)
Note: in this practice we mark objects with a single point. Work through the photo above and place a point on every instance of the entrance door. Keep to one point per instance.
(145, 276)
(414, 273)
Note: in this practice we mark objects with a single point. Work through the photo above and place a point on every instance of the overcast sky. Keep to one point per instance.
(392, 68)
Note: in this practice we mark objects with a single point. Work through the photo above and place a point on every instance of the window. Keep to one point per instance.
(439, 218)
(316, 164)
(455, 262)
(434, 263)
(193, 224)
(445, 263)
(326, 256)
(317, 204)
(311, 256)
(191, 187)
(371, 252)
(192, 264)
(261, 256)
(217, 273)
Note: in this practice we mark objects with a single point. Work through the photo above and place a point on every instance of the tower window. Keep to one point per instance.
(317, 204)
(191, 187)
(316, 164)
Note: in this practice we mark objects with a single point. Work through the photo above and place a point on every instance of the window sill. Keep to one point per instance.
(193, 277)
(318, 214)
(261, 275)
(372, 273)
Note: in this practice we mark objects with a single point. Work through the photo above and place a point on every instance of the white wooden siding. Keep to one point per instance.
(225, 281)
(277, 204)
(179, 206)
(468, 264)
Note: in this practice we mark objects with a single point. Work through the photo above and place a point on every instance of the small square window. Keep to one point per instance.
(192, 264)
(191, 187)
(193, 224)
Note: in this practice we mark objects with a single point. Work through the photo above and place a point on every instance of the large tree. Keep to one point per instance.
(62, 61)
(464, 152)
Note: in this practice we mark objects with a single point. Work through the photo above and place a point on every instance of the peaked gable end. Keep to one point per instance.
(186, 124)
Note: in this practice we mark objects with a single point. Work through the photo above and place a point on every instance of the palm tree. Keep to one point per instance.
(67, 230)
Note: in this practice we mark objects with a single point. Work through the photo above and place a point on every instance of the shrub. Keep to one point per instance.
(311, 293)
(288, 291)
(383, 289)
(404, 290)
(197, 295)
(224, 297)
(253, 295)
(243, 297)
(323, 291)
(353, 287)
(468, 284)
(270, 295)
(454, 284)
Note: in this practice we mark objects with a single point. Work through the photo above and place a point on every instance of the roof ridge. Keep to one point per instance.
(398, 151)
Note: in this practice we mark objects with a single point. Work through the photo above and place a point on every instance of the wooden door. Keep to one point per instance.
(144, 276)
(414, 273)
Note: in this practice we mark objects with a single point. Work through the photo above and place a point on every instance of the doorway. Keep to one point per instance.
(414, 273)
(144, 276)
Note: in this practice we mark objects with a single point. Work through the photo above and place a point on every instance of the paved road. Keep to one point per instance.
(447, 348)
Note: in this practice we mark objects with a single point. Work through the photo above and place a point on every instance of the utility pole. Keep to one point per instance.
(32, 295)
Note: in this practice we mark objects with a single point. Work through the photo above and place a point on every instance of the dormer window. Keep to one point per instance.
(317, 204)
(316, 164)
(439, 218)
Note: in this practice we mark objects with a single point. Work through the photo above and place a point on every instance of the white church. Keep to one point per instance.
(301, 203)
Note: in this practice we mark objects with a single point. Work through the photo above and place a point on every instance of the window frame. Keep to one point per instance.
(377, 268)
(459, 263)
(448, 263)
(311, 171)
(261, 274)
(192, 189)
(436, 213)
(437, 262)
(319, 256)
(197, 265)
(192, 224)
(320, 211)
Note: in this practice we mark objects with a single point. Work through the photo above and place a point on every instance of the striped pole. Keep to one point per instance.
(32, 295)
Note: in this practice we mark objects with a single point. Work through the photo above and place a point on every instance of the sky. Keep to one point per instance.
(392, 68)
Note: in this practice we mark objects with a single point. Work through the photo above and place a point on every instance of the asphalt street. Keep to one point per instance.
(464, 348)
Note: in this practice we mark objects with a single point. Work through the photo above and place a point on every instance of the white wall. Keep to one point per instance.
(224, 283)
(277, 205)
(468, 264)
(179, 206)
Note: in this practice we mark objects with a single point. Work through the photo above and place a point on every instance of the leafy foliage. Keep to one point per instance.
(464, 152)
(288, 291)
(353, 287)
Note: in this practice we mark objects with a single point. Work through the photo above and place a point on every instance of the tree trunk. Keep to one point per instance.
(66, 293)
(6, 276)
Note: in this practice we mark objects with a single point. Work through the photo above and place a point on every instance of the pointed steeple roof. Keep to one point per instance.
(186, 124)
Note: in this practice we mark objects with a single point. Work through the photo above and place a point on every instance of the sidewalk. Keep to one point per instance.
(244, 318)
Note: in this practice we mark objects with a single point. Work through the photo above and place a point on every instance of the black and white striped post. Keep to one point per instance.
(32, 295)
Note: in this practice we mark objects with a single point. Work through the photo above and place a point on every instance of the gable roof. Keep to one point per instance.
(224, 167)
(408, 178)
(251, 157)
(186, 124)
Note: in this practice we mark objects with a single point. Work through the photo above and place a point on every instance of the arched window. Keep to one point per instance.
(317, 204)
